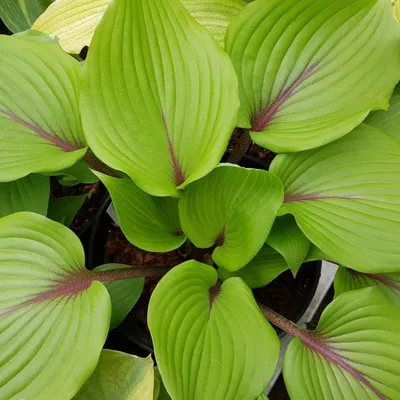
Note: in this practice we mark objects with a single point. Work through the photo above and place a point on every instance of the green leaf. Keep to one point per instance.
(311, 71)
(267, 265)
(54, 319)
(201, 353)
(288, 239)
(124, 294)
(347, 279)
(262, 396)
(79, 172)
(119, 376)
(73, 22)
(215, 15)
(232, 208)
(64, 209)
(315, 254)
(162, 393)
(345, 197)
(353, 354)
(19, 15)
(40, 127)
(148, 222)
(388, 121)
(27, 194)
(163, 107)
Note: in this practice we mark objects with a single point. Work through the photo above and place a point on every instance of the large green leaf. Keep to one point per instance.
(119, 376)
(72, 21)
(267, 265)
(19, 15)
(211, 340)
(310, 71)
(124, 294)
(388, 121)
(163, 107)
(40, 127)
(148, 222)
(233, 209)
(345, 197)
(53, 319)
(353, 355)
(288, 239)
(26, 194)
(262, 396)
(215, 15)
(347, 279)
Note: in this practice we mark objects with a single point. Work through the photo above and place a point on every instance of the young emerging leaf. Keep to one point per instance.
(163, 107)
(64, 209)
(215, 15)
(78, 173)
(124, 294)
(310, 71)
(119, 376)
(19, 15)
(388, 121)
(211, 339)
(267, 265)
(53, 321)
(288, 239)
(72, 21)
(353, 354)
(150, 223)
(345, 197)
(40, 127)
(347, 279)
(27, 194)
(233, 209)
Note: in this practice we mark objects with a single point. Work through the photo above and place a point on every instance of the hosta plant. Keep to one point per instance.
(150, 113)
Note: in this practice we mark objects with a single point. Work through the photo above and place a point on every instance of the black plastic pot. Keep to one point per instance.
(132, 336)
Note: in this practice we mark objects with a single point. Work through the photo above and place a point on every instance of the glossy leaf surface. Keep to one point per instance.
(162, 109)
(345, 197)
(72, 21)
(347, 279)
(40, 127)
(267, 265)
(211, 341)
(26, 194)
(233, 209)
(148, 222)
(311, 71)
(354, 354)
(288, 240)
(53, 319)
(119, 376)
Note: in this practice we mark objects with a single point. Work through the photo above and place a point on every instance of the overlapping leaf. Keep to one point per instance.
(345, 197)
(310, 71)
(27, 194)
(215, 15)
(211, 340)
(288, 239)
(233, 209)
(39, 118)
(72, 21)
(124, 294)
(353, 354)
(53, 320)
(119, 376)
(347, 279)
(388, 121)
(148, 222)
(64, 209)
(163, 107)
(19, 15)
(267, 265)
